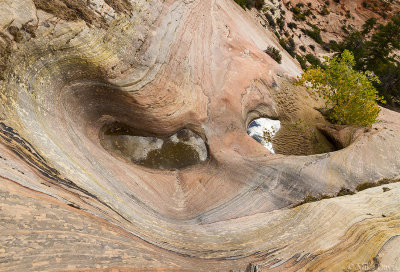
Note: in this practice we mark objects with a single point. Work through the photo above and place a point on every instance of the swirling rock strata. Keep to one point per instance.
(160, 67)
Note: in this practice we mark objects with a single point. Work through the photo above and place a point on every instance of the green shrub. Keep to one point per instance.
(308, 12)
(314, 34)
(324, 11)
(258, 4)
(350, 95)
(333, 45)
(274, 53)
(272, 10)
(345, 29)
(313, 60)
(297, 14)
(302, 61)
(289, 45)
(377, 53)
(242, 3)
(281, 23)
(292, 25)
(368, 25)
(270, 20)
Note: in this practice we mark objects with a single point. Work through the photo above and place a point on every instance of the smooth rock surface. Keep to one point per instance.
(68, 204)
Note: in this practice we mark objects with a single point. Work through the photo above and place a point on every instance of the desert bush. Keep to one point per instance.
(274, 53)
(308, 12)
(297, 14)
(314, 34)
(292, 25)
(289, 45)
(242, 3)
(302, 61)
(350, 95)
(281, 23)
(270, 20)
(313, 60)
(258, 4)
(325, 11)
(377, 53)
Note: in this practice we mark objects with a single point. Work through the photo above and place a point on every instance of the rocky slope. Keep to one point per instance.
(329, 21)
(72, 69)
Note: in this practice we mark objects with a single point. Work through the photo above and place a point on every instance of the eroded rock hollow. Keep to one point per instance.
(124, 146)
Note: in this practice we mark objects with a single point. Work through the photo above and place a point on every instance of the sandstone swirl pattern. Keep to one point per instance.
(67, 204)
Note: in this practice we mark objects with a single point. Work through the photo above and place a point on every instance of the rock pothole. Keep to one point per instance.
(263, 130)
(180, 150)
(300, 138)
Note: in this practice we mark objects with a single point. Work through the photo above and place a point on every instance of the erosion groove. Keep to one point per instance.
(189, 72)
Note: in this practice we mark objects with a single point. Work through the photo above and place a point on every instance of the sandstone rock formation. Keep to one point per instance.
(334, 20)
(71, 68)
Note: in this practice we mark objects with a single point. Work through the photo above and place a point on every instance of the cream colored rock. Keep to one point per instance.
(68, 204)
(17, 13)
